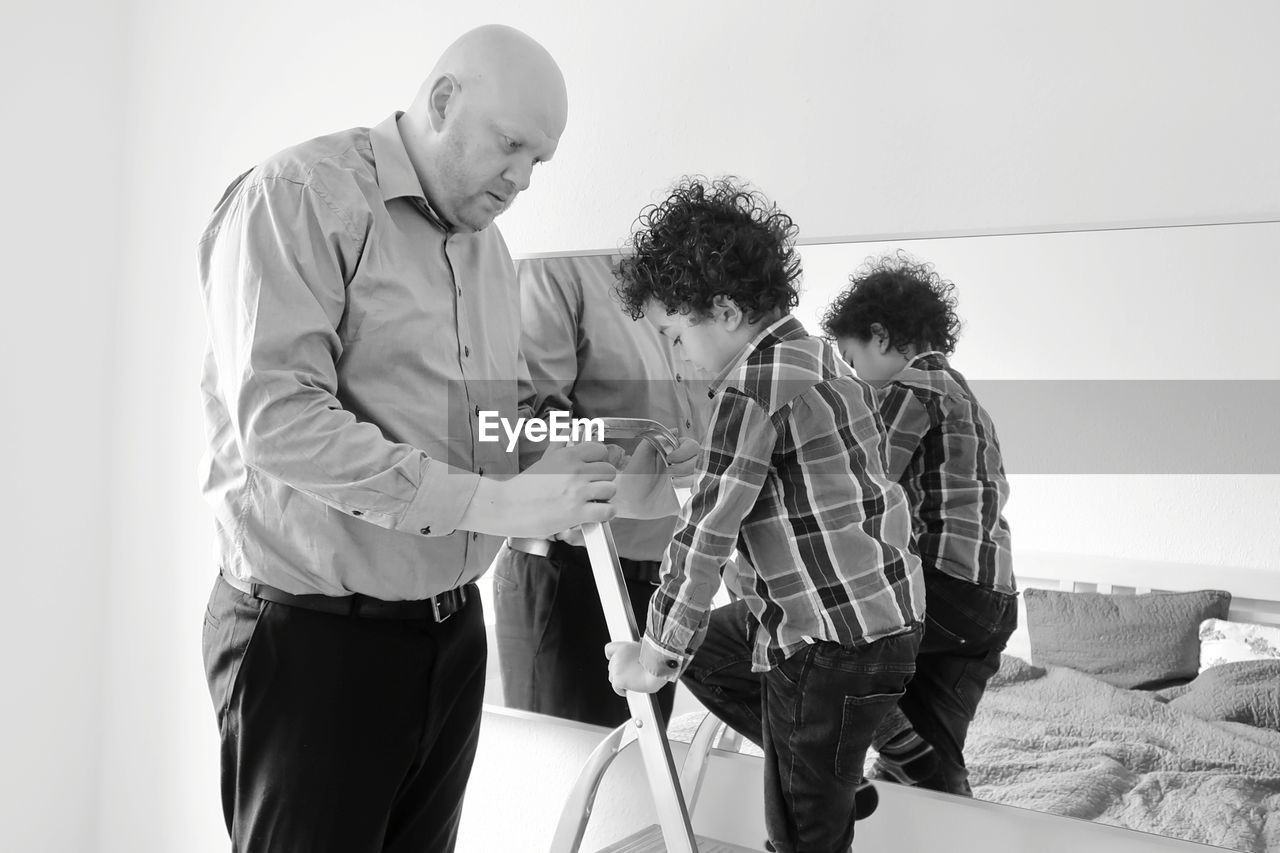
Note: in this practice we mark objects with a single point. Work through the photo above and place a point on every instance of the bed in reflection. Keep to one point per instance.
(1135, 705)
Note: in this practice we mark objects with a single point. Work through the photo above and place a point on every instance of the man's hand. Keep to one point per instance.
(568, 486)
(572, 536)
(682, 463)
(626, 673)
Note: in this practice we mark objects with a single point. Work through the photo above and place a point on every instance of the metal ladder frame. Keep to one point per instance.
(674, 795)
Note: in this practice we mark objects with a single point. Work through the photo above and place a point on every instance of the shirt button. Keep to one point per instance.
(688, 424)
(424, 531)
(474, 536)
(356, 512)
(466, 352)
(477, 410)
(672, 664)
(679, 378)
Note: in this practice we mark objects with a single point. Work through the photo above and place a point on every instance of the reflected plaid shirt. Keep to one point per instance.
(944, 451)
(792, 474)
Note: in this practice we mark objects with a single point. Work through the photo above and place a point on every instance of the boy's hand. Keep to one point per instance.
(682, 463)
(626, 673)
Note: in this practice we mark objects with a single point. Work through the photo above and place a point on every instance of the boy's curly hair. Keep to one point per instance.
(914, 304)
(711, 238)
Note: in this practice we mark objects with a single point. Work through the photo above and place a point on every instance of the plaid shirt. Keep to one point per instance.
(943, 450)
(792, 474)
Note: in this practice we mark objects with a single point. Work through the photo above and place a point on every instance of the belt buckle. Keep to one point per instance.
(435, 606)
(435, 610)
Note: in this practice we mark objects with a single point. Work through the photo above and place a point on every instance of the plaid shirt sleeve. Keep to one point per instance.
(907, 419)
(735, 464)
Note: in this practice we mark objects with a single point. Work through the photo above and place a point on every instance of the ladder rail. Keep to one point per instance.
(664, 783)
(577, 808)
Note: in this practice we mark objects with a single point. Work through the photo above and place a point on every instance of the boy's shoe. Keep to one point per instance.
(907, 759)
(865, 800)
(888, 771)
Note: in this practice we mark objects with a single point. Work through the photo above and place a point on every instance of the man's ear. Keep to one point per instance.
(441, 99)
(728, 312)
(880, 337)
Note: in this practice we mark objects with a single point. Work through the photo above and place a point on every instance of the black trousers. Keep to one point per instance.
(966, 629)
(812, 715)
(552, 634)
(342, 734)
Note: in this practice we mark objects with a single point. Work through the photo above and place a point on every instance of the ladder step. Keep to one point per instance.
(649, 840)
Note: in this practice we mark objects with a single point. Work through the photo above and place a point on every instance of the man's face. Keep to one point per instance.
(490, 144)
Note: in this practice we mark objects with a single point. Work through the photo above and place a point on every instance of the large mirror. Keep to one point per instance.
(1131, 375)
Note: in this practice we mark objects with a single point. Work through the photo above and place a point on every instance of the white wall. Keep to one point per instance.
(61, 79)
(858, 118)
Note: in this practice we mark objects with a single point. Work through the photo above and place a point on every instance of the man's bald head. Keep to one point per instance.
(493, 107)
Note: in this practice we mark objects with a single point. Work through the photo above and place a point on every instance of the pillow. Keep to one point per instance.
(1128, 641)
(1240, 692)
(1223, 642)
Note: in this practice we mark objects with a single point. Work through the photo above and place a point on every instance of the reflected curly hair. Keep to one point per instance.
(914, 304)
(711, 238)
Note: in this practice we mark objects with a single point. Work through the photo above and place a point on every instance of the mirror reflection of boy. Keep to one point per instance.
(896, 325)
(791, 475)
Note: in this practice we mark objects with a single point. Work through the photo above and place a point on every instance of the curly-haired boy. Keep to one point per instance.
(791, 475)
(896, 325)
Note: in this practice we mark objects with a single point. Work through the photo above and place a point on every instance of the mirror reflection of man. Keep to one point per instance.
(362, 312)
(586, 356)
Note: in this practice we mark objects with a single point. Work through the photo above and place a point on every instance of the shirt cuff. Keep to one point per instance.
(444, 494)
(660, 662)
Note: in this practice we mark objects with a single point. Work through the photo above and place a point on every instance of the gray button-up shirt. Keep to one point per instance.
(588, 357)
(353, 340)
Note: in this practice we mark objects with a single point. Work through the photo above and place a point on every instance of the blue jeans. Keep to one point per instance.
(813, 715)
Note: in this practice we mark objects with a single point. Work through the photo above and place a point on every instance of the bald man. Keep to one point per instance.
(363, 316)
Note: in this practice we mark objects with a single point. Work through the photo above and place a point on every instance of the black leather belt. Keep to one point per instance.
(438, 608)
(649, 571)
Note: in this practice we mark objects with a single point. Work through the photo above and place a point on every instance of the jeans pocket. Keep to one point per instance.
(938, 634)
(792, 669)
(861, 716)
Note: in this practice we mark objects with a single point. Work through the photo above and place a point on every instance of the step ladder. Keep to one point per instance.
(674, 796)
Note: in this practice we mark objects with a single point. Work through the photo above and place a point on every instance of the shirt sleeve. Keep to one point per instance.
(734, 466)
(275, 275)
(550, 311)
(907, 420)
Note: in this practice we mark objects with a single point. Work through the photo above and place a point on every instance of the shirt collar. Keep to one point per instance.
(935, 354)
(785, 328)
(396, 175)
